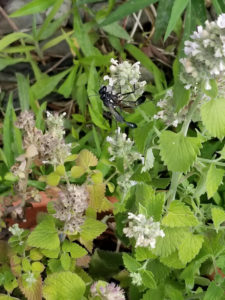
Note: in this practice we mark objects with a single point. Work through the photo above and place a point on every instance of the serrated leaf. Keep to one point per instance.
(65, 261)
(44, 235)
(157, 294)
(156, 206)
(96, 196)
(214, 292)
(26, 264)
(53, 179)
(190, 247)
(170, 242)
(212, 113)
(91, 229)
(177, 151)
(76, 251)
(71, 157)
(172, 261)
(86, 159)
(63, 285)
(213, 180)
(148, 279)
(130, 263)
(159, 270)
(179, 215)
(77, 171)
(218, 216)
(32, 290)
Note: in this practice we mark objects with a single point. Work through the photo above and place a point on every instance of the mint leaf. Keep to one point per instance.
(218, 216)
(178, 151)
(91, 229)
(130, 263)
(213, 180)
(190, 247)
(179, 215)
(44, 235)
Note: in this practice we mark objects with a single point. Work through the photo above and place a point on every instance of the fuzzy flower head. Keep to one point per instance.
(143, 230)
(106, 291)
(122, 147)
(15, 230)
(166, 112)
(71, 206)
(205, 53)
(125, 78)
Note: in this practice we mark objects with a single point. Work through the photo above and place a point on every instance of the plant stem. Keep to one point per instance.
(209, 161)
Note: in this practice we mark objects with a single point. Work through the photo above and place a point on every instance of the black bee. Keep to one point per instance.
(111, 101)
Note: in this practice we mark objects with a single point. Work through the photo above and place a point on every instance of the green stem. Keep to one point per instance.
(209, 161)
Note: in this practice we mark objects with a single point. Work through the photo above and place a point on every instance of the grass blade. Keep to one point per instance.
(23, 90)
(8, 139)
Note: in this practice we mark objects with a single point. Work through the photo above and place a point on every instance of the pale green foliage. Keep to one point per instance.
(177, 151)
(212, 114)
(44, 235)
(91, 229)
(63, 285)
(179, 215)
(189, 247)
(213, 179)
(218, 216)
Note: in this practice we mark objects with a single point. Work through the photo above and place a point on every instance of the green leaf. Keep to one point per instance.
(217, 6)
(148, 279)
(86, 159)
(130, 263)
(181, 95)
(170, 242)
(53, 179)
(23, 90)
(5, 297)
(129, 7)
(66, 88)
(177, 10)
(116, 30)
(46, 84)
(44, 235)
(60, 170)
(177, 151)
(157, 294)
(218, 216)
(63, 285)
(213, 180)
(8, 133)
(37, 267)
(143, 253)
(77, 171)
(172, 261)
(5, 62)
(190, 247)
(179, 215)
(156, 206)
(11, 38)
(65, 261)
(76, 251)
(214, 292)
(212, 113)
(54, 253)
(91, 229)
(33, 7)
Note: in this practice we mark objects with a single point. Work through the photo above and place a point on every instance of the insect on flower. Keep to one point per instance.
(112, 101)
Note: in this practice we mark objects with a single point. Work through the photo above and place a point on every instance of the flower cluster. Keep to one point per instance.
(125, 78)
(136, 278)
(16, 230)
(125, 183)
(106, 291)
(167, 114)
(71, 205)
(122, 147)
(205, 54)
(143, 230)
(50, 146)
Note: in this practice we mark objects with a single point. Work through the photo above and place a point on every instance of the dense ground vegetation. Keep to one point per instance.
(112, 127)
